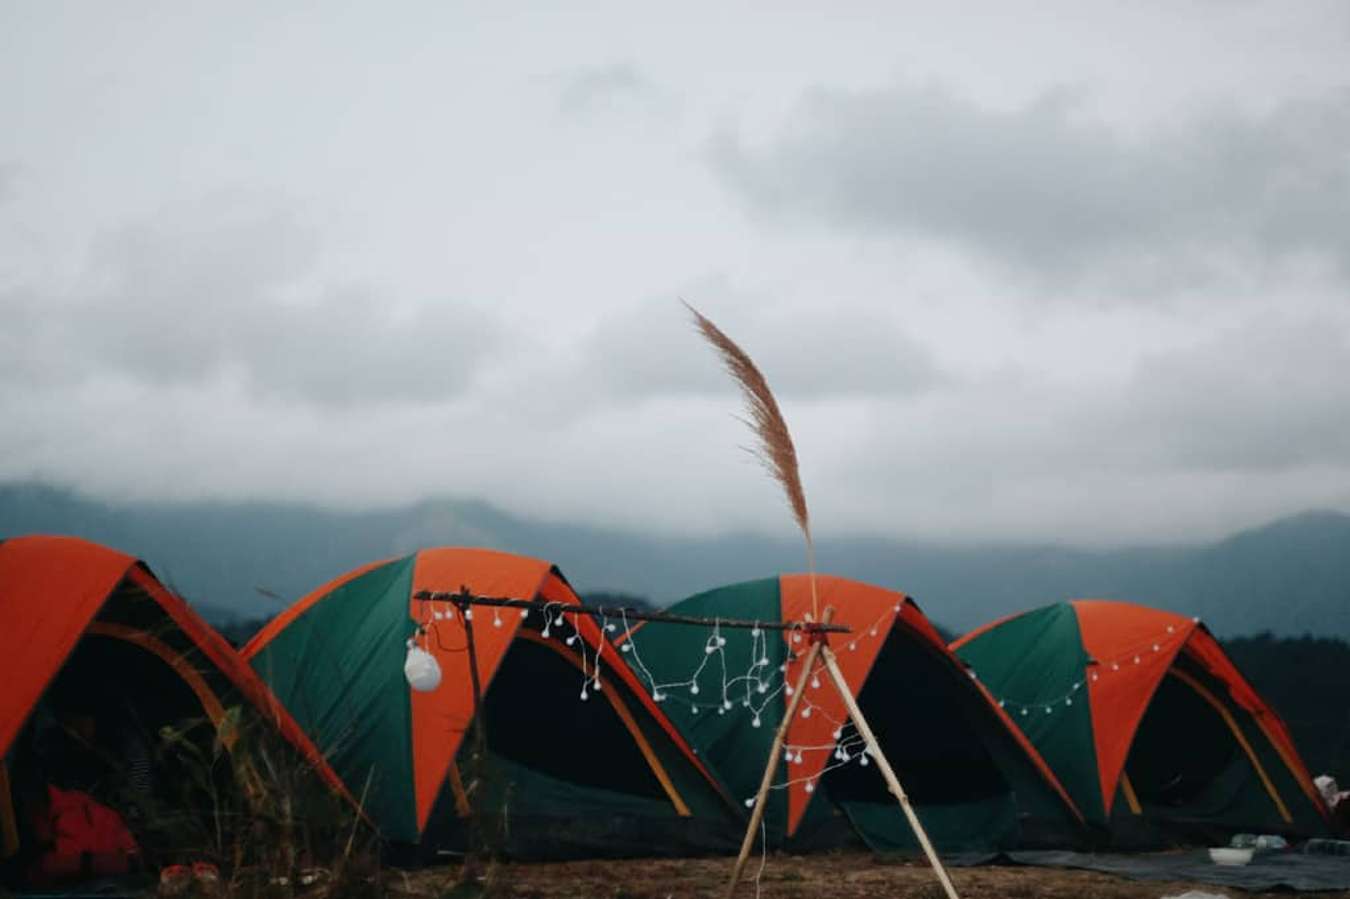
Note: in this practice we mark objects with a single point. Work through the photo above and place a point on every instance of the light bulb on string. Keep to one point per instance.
(496, 617)
(524, 613)
(421, 669)
(468, 614)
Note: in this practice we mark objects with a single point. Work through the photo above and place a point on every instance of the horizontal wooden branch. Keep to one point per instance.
(464, 599)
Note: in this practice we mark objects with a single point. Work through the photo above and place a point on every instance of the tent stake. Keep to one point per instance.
(874, 749)
(761, 798)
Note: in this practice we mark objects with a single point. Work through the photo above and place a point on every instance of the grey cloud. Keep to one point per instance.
(617, 85)
(1055, 193)
(229, 294)
(1259, 398)
(9, 177)
(808, 354)
(1260, 401)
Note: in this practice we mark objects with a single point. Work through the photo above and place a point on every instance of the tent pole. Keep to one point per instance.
(874, 749)
(761, 798)
(477, 755)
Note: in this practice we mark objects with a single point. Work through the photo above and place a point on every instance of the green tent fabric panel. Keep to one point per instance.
(728, 744)
(526, 790)
(530, 814)
(536, 692)
(953, 827)
(1032, 660)
(1202, 786)
(1255, 806)
(352, 699)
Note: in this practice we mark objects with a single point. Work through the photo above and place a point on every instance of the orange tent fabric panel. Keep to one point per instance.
(870, 612)
(35, 571)
(441, 717)
(1134, 648)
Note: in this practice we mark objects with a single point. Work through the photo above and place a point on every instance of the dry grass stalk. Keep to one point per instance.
(775, 450)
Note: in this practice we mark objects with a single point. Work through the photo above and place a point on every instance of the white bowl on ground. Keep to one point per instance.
(1227, 856)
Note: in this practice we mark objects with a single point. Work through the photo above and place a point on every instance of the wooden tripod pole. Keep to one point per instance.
(761, 798)
(874, 749)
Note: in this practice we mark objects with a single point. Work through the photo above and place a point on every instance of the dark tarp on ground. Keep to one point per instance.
(1268, 870)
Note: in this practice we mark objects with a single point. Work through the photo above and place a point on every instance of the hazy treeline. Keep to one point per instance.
(1307, 681)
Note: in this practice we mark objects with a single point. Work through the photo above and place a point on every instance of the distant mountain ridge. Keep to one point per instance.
(1289, 577)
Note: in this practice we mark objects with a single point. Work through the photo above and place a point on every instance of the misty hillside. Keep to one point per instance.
(1290, 577)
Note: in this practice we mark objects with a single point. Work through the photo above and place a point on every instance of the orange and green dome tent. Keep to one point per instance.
(580, 761)
(975, 780)
(81, 619)
(1148, 724)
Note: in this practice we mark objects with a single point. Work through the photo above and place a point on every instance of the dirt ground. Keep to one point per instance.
(841, 876)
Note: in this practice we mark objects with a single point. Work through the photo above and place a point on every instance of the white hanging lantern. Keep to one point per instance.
(422, 670)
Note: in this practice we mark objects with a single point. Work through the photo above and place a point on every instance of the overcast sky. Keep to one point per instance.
(1080, 273)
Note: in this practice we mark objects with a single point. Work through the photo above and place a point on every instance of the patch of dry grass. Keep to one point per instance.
(839, 876)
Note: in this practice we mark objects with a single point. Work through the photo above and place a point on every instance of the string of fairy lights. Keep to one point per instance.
(1093, 671)
(750, 687)
(756, 683)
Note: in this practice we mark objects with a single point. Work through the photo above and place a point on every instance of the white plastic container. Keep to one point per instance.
(1231, 857)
